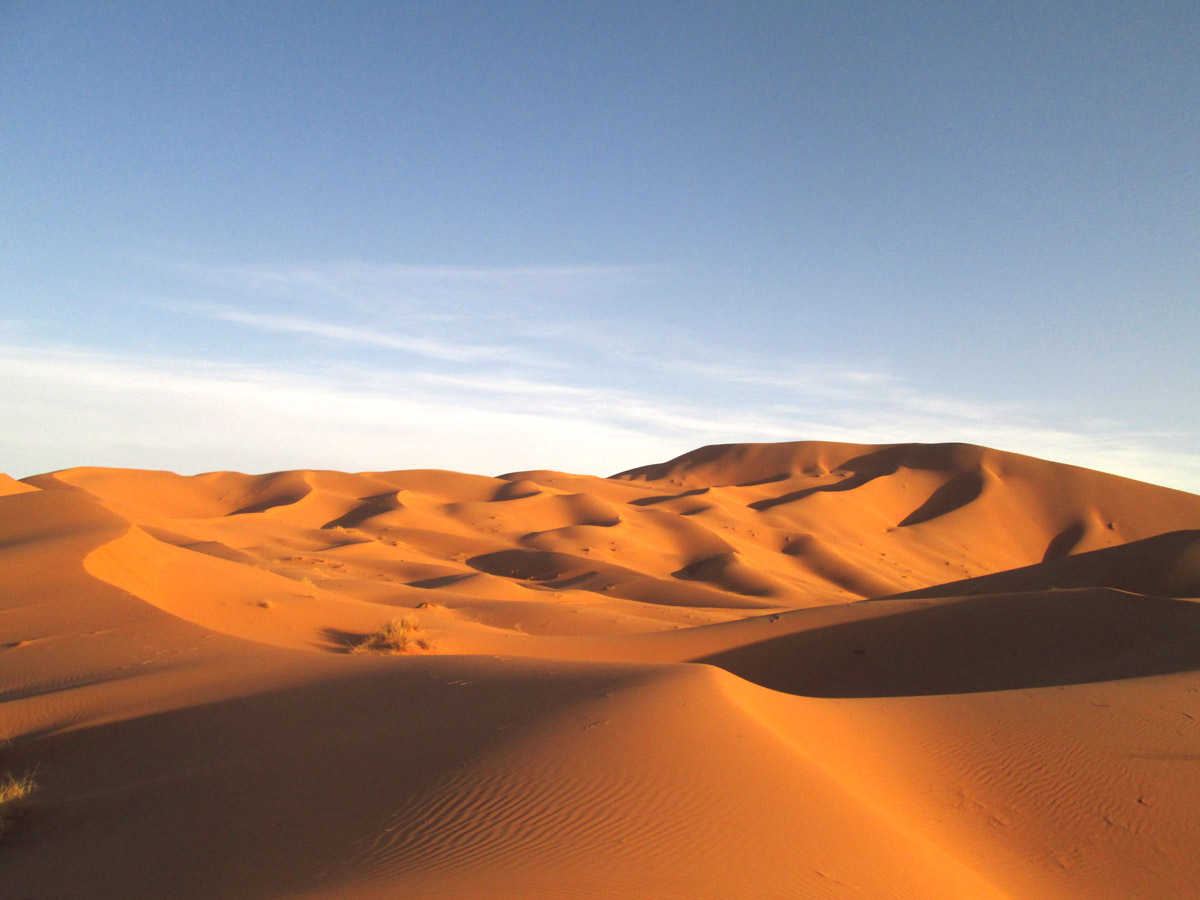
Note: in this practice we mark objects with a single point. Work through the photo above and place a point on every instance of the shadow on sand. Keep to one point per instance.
(984, 643)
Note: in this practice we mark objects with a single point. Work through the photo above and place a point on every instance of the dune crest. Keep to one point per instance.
(799, 670)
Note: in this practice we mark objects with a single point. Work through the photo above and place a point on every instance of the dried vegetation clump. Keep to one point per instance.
(395, 636)
(13, 793)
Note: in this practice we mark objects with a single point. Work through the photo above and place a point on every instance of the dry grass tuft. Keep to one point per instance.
(356, 535)
(396, 636)
(13, 791)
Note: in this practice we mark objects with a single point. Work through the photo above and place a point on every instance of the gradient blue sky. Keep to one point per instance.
(585, 236)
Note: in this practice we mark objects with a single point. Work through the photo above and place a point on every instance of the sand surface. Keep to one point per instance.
(803, 670)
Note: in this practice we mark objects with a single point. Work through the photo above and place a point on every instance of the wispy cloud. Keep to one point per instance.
(67, 406)
(364, 285)
(360, 336)
(454, 314)
(482, 369)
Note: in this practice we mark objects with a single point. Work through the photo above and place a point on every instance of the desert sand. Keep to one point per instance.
(801, 670)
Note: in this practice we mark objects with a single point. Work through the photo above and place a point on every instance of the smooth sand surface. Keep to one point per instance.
(802, 670)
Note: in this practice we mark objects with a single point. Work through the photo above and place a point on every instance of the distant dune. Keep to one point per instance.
(798, 670)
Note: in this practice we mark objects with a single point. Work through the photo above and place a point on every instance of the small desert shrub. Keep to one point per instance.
(13, 792)
(396, 636)
(349, 534)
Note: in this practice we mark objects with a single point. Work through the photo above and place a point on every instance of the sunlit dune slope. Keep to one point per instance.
(747, 527)
(805, 670)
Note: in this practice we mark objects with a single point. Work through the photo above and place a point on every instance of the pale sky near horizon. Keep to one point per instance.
(588, 236)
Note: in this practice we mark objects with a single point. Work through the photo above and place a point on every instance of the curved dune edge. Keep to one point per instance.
(614, 811)
(926, 671)
(10, 485)
(220, 595)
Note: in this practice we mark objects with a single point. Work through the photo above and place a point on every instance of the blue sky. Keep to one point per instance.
(587, 236)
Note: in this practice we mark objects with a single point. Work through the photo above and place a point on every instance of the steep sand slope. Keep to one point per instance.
(657, 685)
(1167, 565)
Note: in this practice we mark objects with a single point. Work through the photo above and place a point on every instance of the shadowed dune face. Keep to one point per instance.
(992, 643)
(755, 671)
(1167, 565)
(204, 782)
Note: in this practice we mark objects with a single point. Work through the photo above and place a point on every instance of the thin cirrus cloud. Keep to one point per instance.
(429, 347)
(86, 407)
(453, 314)
(435, 291)
(69, 406)
(478, 369)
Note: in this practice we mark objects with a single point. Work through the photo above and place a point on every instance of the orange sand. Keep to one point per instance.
(805, 670)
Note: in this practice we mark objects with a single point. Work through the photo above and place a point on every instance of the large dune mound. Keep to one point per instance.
(760, 670)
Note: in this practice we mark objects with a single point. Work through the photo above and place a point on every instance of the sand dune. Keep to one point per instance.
(762, 671)
(1166, 565)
